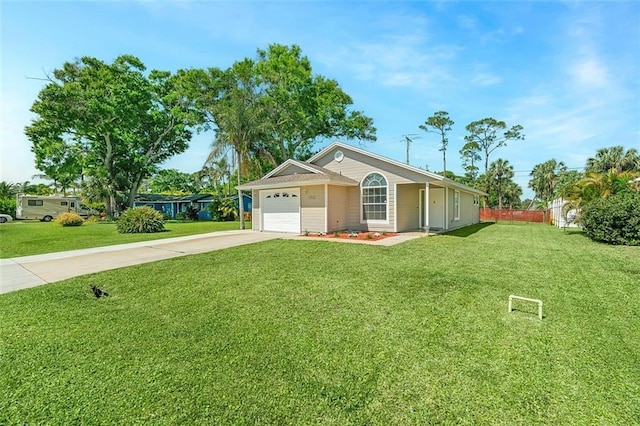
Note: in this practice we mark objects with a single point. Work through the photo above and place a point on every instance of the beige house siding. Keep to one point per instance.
(312, 208)
(408, 207)
(353, 208)
(469, 213)
(337, 208)
(255, 210)
(292, 169)
(357, 167)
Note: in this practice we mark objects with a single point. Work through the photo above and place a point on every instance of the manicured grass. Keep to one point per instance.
(23, 238)
(316, 332)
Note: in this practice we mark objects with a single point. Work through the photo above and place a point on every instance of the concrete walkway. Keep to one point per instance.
(30, 271)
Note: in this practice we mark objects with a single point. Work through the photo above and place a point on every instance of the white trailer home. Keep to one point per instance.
(48, 207)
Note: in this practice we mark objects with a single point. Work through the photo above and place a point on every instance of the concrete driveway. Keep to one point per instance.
(30, 271)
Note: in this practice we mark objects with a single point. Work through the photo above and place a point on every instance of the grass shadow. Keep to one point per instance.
(469, 230)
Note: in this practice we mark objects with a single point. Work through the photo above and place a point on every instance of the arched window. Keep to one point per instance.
(374, 197)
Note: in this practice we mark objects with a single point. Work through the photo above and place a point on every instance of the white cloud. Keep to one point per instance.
(485, 79)
(590, 73)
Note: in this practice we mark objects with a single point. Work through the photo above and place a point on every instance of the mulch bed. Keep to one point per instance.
(366, 236)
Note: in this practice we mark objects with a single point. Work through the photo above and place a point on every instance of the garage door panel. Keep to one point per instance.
(281, 210)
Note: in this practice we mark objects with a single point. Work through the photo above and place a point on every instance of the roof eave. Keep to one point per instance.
(294, 184)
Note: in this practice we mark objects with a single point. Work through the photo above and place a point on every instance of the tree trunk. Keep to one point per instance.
(133, 191)
(240, 200)
(444, 161)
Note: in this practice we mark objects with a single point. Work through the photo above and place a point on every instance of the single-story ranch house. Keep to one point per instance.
(347, 188)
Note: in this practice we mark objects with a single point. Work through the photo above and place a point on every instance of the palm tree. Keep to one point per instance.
(8, 190)
(614, 158)
(512, 193)
(597, 185)
(544, 179)
(237, 115)
(499, 174)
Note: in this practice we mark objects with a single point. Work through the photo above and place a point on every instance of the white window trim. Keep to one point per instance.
(362, 220)
(456, 205)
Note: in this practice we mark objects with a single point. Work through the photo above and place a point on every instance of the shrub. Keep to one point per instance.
(93, 219)
(140, 220)
(8, 206)
(223, 209)
(69, 219)
(191, 213)
(613, 220)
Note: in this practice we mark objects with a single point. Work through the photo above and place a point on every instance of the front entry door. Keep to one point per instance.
(436, 208)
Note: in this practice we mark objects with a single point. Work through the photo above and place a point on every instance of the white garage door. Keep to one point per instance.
(281, 210)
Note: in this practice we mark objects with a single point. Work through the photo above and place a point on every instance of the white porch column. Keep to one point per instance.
(426, 207)
(326, 208)
(446, 208)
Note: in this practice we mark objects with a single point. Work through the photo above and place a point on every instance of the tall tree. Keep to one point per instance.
(300, 107)
(470, 157)
(123, 121)
(239, 119)
(498, 178)
(544, 179)
(440, 124)
(489, 134)
(273, 108)
(614, 158)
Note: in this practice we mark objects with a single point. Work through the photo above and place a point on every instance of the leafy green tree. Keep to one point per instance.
(614, 158)
(172, 181)
(440, 124)
(267, 110)
(300, 107)
(120, 121)
(487, 135)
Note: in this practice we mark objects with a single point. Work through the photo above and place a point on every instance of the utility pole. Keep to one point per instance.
(408, 139)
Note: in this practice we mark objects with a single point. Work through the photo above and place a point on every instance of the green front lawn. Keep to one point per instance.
(316, 332)
(23, 238)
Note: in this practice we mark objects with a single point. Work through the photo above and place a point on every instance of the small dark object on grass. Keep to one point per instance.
(97, 292)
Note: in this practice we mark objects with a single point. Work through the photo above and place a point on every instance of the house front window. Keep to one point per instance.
(374, 198)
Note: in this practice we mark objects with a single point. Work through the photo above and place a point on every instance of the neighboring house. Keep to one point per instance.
(171, 205)
(344, 187)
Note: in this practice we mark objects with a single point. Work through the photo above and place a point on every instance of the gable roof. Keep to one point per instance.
(448, 182)
(316, 175)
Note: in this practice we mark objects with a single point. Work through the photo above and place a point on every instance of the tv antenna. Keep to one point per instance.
(408, 139)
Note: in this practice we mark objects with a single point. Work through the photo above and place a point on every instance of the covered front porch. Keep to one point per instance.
(422, 207)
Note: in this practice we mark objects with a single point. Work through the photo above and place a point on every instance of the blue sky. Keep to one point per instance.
(567, 71)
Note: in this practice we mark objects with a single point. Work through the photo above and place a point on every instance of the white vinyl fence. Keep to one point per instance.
(557, 218)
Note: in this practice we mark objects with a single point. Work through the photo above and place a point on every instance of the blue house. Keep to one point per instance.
(171, 205)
